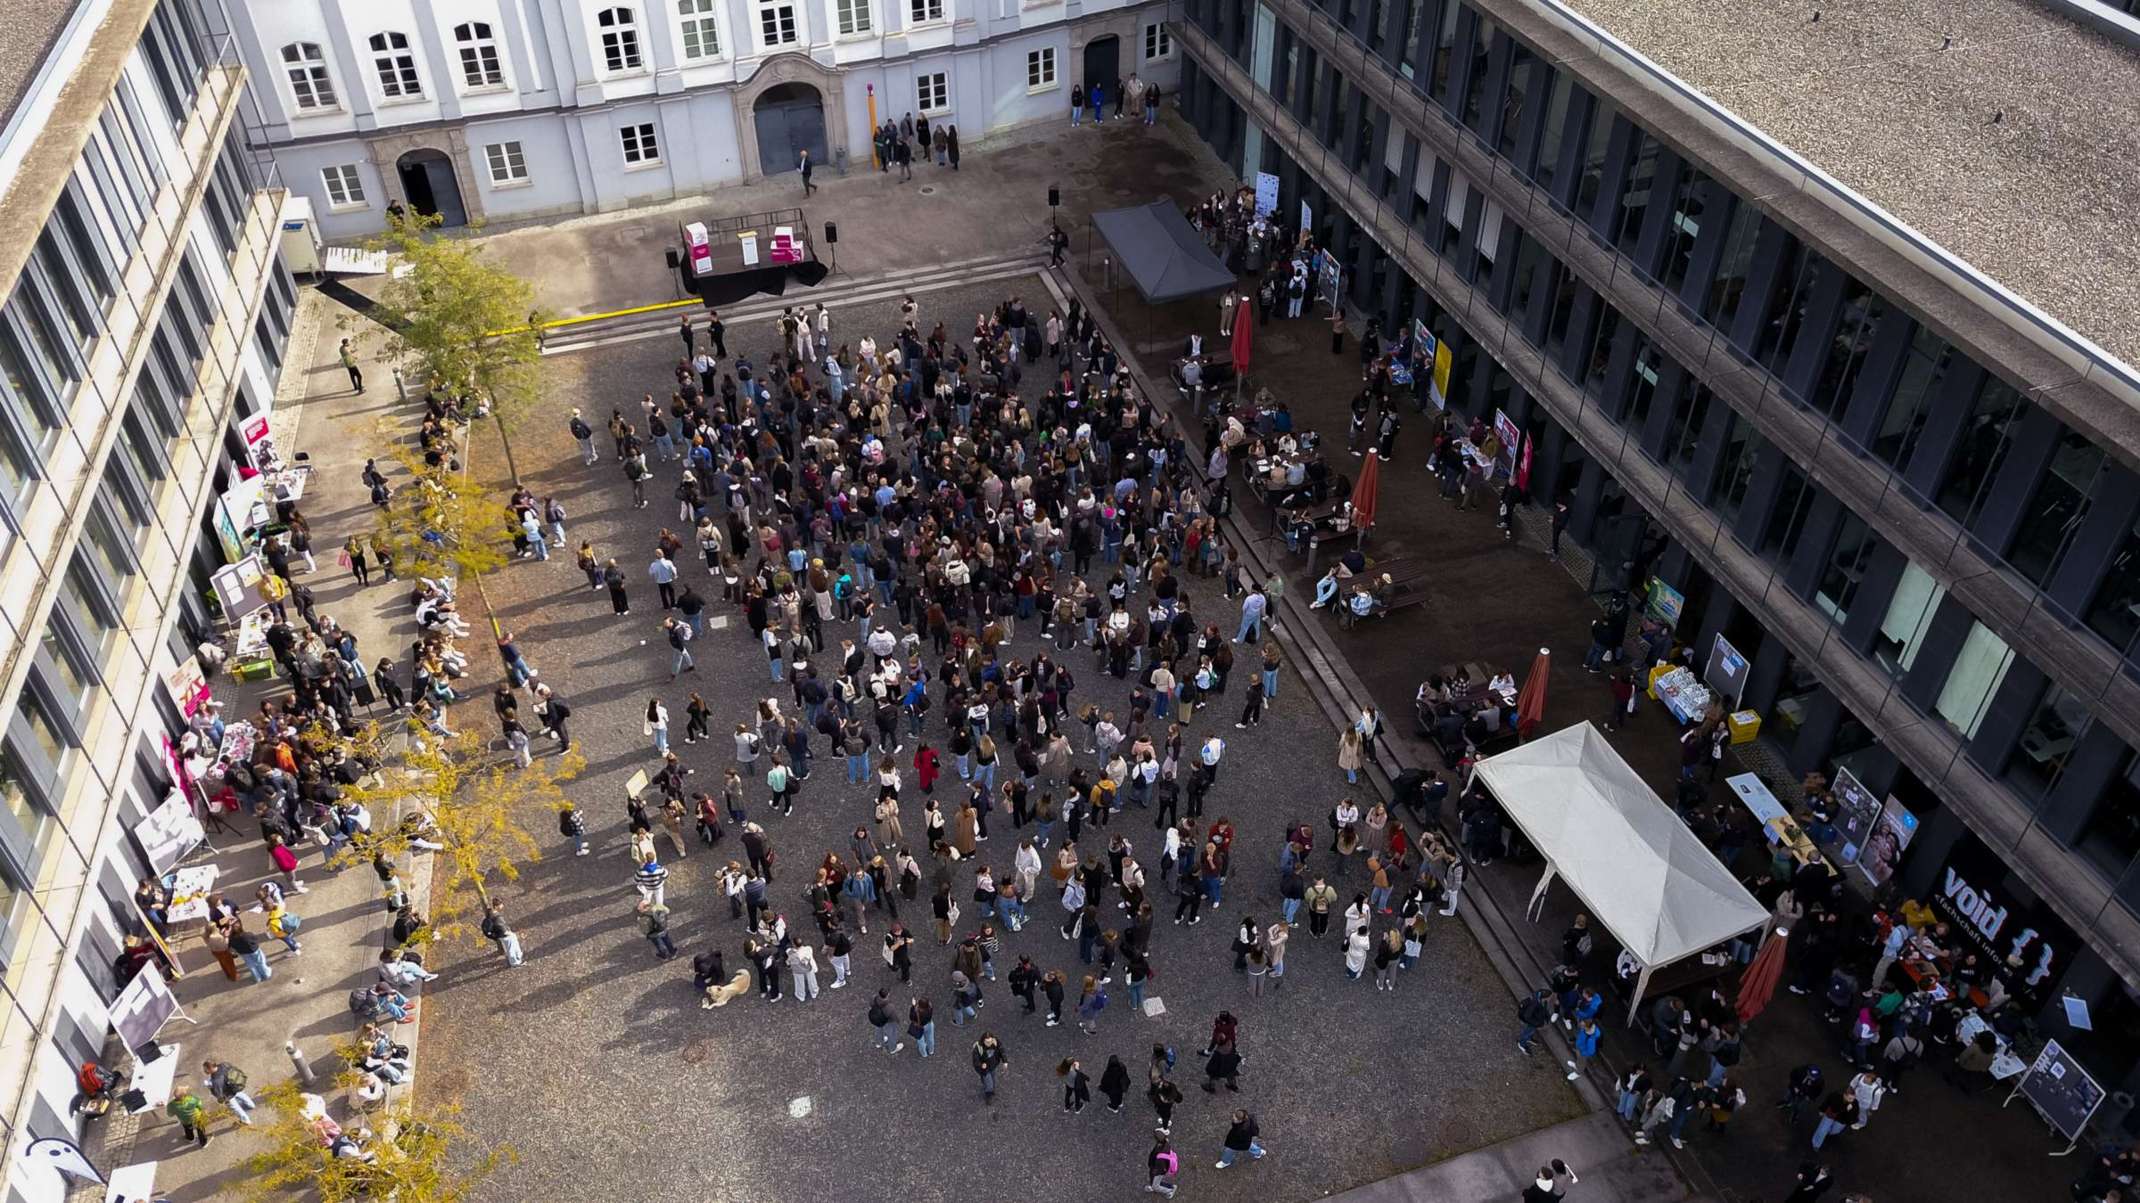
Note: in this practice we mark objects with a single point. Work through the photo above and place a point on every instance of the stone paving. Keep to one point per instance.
(627, 1081)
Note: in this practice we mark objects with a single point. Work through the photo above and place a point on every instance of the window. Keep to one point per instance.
(932, 93)
(1550, 138)
(639, 143)
(620, 38)
(853, 16)
(776, 25)
(1158, 42)
(479, 55)
(1909, 617)
(1982, 449)
(1854, 543)
(2045, 744)
(2112, 836)
(1978, 669)
(2060, 506)
(701, 28)
(307, 69)
(1910, 408)
(395, 65)
(1040, 69)
(2115, 612)
(921, 12)
(507, 164)
(345, 188)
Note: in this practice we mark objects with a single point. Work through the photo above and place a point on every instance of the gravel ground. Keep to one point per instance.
(595, 1063)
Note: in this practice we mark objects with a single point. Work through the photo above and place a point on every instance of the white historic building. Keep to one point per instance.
(514, 109)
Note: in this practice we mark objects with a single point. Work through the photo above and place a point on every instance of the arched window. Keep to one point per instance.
(479, 55)
(307, 68)
(396, 66)
(620, 38)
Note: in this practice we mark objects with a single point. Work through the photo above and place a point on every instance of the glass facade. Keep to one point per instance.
(2054, 512)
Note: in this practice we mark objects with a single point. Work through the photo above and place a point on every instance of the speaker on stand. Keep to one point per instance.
(832, 239)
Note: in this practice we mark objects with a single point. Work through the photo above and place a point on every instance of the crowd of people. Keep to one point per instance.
(931, 567)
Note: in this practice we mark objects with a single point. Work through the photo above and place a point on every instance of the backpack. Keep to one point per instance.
(564, 822)
(290, 924)
(234, 1079)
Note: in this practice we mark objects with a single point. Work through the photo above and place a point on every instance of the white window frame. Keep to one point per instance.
(854, 18)
(639, 138)
(311, 84)
(345, 179)
(476, 47)
(508, 164)
(1156, 34)
(698, 21)
(766, 8)
(941, 89)
(927, 12)
(1040, 72)
(622, 51)
(394, 66)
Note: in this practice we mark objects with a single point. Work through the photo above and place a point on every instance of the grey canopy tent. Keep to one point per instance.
(1165, 257)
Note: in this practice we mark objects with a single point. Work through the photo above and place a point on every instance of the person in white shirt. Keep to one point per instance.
(1209, 757)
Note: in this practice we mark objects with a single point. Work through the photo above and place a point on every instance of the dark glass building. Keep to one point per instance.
(1906, 495)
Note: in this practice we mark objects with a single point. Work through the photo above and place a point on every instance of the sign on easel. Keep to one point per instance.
(2061, 1091)
(143, 1008)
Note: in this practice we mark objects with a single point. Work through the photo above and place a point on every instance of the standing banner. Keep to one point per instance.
(1857, 813)
(1266, 194)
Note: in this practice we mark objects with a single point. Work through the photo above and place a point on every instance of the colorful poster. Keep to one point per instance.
(1890, 838)
(1427, 349)
(1663, 603)
(1266, 194)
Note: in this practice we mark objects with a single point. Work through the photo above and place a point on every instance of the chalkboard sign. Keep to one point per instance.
(2061, 1090)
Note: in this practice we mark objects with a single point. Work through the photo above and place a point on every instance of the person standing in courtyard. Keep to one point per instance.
(805, 167)
(988, 1061)
(349, 365)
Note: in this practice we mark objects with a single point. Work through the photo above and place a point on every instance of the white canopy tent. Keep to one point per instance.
(1627, 856)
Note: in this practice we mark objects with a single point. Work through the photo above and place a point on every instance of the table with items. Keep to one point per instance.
(1776, 823)
(1682, 693)
(188, 889)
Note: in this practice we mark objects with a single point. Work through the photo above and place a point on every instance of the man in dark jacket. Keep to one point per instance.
(1241, 1138)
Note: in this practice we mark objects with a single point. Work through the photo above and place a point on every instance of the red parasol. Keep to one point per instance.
(1244, 337)
(1759, 984)
(1363, 493)
(1531, 699)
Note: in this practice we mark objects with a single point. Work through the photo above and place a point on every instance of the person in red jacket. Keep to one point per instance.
(926, 766)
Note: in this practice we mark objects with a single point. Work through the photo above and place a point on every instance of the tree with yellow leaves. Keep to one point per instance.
(414, 1155)
(466, 325)
(444, 523)
(475, 802)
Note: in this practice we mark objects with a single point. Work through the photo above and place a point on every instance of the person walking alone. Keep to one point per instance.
(805, 165)
(356, 384)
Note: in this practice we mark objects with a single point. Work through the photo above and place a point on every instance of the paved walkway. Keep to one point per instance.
(1607, 1168)
(305, 999)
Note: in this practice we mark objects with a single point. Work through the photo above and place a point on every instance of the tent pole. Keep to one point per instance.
(1642, 987)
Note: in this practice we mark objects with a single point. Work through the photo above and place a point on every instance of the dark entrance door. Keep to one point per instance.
(791, 119)
(1103, 65)
(427, 180)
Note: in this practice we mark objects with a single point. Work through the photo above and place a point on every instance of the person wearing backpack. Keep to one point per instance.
(495, 930)
(227, 1084)
(573, 826)
(1533, 1012)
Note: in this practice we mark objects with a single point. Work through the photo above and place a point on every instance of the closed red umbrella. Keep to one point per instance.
(1363, 493)
(1531, 699)
(1759, 984)
(1244, 338)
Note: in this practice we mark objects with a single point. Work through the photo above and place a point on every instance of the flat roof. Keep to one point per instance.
(2014, 147)
(32, 28)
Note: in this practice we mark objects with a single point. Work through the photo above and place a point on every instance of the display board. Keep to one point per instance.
(2061, 1091)
(1726, 673)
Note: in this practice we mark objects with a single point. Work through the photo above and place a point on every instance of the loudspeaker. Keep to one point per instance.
(675, 257)
(832, 232)
(1054, 197)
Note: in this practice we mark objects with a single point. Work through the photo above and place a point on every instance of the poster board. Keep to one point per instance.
(1427, 349)
(237, 588)
(1726, 671)
(2061, 1091)
(1328, 276)
(1662, 602)
(1890, 838)
(1266, 193)
(143, 1008)
(187, 685)
(170, 832)
(1857, 813)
